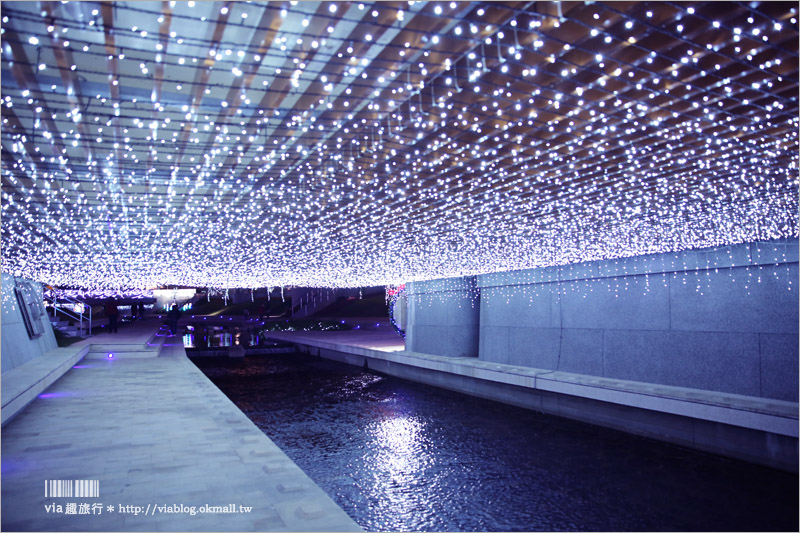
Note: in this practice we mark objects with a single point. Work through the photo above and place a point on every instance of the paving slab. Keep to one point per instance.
(169, 450)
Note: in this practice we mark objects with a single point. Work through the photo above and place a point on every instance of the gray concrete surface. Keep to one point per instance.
(155, 432)
(755, 429)
(446, 322)
(669, 319)
(22, 383)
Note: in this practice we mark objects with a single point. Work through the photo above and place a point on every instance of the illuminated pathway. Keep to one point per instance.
(155, 432)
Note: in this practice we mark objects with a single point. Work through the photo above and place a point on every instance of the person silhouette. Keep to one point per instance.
(172, 317)
(113, 314)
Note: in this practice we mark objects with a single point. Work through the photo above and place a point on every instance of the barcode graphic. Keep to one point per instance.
(72, 488)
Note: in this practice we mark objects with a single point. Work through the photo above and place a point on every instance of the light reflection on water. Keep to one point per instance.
(399, 456)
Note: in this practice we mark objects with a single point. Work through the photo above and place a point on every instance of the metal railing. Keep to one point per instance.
(76, 311)
(310, 302)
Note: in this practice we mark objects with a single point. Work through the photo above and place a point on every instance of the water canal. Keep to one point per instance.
(401, 456)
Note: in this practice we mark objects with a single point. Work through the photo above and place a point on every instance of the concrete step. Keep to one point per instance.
(65, 322)
(68, 323)
(115, 354)
(156, 343)
(72, 331)
(127, 350)
(119, 347)
(157, 339)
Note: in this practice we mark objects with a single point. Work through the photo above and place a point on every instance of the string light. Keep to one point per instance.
(357, 150)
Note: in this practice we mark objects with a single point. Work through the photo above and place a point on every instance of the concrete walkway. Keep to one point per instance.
(163, 442)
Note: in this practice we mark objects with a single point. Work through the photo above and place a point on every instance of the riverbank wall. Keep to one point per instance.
(697, 348)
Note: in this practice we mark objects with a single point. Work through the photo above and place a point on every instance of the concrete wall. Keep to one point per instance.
(166, 297)
(722, 319)
(443, 317)
(17, 347)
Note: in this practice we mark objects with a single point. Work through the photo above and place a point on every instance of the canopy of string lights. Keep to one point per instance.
(250, 144)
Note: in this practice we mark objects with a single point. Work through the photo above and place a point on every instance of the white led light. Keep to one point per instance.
(428, 165)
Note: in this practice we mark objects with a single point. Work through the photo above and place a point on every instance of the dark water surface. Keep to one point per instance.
(401, 456)
(199, 335)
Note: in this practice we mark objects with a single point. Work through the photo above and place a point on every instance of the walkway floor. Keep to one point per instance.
(163, 442)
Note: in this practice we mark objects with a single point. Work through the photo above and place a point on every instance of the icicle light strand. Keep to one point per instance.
(342, 145)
